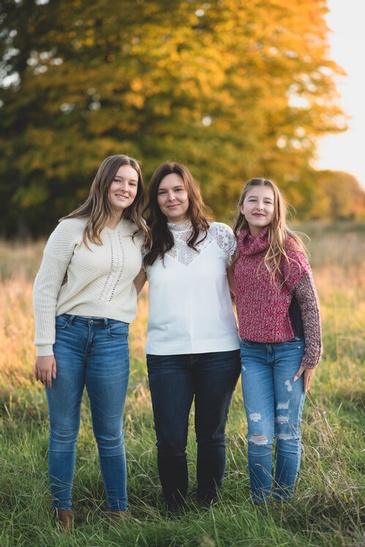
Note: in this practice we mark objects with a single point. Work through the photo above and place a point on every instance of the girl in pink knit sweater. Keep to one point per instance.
(280, 332)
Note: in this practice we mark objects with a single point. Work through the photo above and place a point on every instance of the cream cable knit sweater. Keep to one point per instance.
(75, 280)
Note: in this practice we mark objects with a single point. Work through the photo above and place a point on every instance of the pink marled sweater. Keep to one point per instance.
(263, 304)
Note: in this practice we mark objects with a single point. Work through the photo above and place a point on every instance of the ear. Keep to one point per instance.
(242, 210)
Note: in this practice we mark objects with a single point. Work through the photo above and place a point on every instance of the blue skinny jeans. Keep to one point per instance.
(274, 406)
(91, 352)
(175, 381)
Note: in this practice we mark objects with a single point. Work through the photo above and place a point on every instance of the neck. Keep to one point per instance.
(113, 221)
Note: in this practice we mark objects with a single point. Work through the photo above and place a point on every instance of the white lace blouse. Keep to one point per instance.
(190, 307)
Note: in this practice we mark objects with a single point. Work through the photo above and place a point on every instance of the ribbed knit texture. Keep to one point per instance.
(263, 303)
(88, 282)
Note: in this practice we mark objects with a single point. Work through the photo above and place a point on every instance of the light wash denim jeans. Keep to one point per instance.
(274, 406)
(175, 381)
(91, 352)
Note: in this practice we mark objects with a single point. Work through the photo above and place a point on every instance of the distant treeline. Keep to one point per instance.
(233, 89)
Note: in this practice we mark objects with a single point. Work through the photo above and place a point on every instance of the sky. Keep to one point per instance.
(346, 151)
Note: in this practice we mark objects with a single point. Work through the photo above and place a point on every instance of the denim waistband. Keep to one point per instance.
(98, 321)
(295, 339)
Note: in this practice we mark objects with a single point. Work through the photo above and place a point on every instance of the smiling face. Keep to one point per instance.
(123, 189)
(258, 208)
(173, 198)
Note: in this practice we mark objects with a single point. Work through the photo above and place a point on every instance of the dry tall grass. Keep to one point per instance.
(330, 507)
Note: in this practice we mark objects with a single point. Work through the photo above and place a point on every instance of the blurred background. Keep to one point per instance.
(232, 89)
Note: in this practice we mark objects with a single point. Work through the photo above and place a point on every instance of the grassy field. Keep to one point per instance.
(329, 507)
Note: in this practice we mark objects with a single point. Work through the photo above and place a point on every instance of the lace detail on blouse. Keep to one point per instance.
(219, 232)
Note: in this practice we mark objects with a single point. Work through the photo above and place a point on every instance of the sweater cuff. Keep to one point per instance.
(312, 359)
(44, 351)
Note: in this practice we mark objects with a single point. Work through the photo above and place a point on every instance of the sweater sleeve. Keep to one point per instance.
(48, 282)
(307, 298)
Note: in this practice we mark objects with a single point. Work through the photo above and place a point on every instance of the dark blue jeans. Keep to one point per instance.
(175, 381)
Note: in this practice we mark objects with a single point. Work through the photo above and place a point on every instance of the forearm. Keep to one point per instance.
(45, 294)
(306, 295)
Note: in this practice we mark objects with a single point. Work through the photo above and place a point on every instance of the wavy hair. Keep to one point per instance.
(162, 239)
(280, 237)
(97, 209)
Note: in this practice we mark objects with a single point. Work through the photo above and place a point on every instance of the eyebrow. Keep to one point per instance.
(255, 196)
(173, 188)
(117, 177)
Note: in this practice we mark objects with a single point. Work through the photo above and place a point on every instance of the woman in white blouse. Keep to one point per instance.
(192, 344)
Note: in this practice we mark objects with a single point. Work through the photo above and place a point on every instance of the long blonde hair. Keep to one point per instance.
(279, 234)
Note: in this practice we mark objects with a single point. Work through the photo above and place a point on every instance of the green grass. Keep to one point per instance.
(329, 506)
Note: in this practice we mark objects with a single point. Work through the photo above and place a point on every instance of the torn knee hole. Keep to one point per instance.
(258, 439)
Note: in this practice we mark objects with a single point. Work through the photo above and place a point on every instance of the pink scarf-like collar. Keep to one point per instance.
(249, 245)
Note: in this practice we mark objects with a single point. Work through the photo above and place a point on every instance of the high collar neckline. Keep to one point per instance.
(180, 226)
(250, 245)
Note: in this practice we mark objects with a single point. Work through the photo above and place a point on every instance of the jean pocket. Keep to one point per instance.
(296, 341)
(295, 344)
(245, 343)
(63, 321)
(118, 329)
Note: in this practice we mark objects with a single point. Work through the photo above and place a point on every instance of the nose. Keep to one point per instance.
(123, 185)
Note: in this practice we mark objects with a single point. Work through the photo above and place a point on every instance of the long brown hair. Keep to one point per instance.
(161, 236)
(279, 235)
(97, 210)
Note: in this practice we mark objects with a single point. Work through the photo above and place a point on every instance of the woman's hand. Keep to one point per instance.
(45, 369)
(308, 375)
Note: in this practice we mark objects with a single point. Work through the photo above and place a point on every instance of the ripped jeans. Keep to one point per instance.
(274, 406)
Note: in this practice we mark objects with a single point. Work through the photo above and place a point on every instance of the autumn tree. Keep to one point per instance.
(233, 89)
(338, 196)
